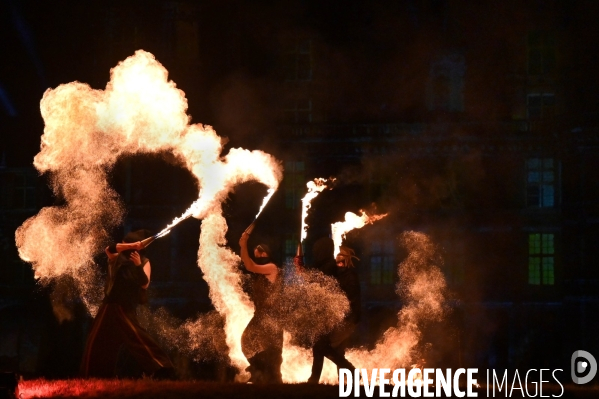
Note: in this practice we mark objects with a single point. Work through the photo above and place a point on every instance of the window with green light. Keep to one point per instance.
(382, 262)
(541, 259)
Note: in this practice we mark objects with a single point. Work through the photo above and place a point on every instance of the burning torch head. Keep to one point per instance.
(345, 256)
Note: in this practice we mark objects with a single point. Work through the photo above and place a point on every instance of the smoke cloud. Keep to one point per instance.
(141, 111)
(86, 132)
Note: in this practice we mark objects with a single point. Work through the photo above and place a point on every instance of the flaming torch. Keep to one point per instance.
(315, 187)
(186, 215)
(269, 194)
(352, 221)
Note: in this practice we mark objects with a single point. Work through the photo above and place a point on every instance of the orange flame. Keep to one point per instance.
(189, 212)
(352, 221)
(315, 187)
(141, 111)
(267, 198)
(85, 133)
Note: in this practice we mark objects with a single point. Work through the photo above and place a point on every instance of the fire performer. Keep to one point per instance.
(262, 339)
(116, 324)
(332, 345)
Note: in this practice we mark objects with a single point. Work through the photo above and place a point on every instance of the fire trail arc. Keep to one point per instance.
(141, 111)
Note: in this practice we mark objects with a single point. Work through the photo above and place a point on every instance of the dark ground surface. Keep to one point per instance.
(149, 389)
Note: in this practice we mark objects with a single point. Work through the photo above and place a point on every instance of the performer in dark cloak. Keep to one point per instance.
(116, 325)
(332, 345)
(262, 339)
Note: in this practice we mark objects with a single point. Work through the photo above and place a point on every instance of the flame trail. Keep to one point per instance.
(267, 198)
(352, 221)
(86, 131)
(141, 111)
(315, 187)
(186, 215)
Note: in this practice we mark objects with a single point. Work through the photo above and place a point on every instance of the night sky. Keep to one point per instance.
(373, 56)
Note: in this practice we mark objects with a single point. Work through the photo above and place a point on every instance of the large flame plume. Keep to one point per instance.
(315, 187)
(86, 131)
(141, 111)
(351, 222)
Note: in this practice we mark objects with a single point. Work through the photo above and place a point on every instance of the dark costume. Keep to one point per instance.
(116, 325)
(332, 345)
(262, 339)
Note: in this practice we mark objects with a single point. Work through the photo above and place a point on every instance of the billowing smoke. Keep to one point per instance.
(140, 111)
(201, 339)
(422, 289)
(311, 304)
(86, 132)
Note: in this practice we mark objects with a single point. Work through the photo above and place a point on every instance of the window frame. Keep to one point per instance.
(541, 258)
(542, 185)
(383, 263)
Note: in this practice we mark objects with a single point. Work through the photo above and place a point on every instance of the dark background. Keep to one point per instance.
(474, 123)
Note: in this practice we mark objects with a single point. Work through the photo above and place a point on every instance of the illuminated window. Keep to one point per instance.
(541, 259)
(382, 262)
(540, 105)
(295, 184)
(541, 53)
(297, 59)
(540, 182)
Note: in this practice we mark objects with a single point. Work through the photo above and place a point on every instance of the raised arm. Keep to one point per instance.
(114, 250)
(268, 269)
(136, 259)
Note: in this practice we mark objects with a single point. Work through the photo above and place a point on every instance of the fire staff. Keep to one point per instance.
(332, 345)
(262, 339)
(116, 323)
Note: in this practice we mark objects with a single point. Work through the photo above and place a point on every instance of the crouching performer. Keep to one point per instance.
(262, 339)
(332, 345)
(116, 326)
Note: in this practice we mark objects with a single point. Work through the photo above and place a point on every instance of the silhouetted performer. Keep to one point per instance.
(262, 339)
(332, 345)
(116, 325)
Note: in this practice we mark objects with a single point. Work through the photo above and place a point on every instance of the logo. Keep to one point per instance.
(580, 367)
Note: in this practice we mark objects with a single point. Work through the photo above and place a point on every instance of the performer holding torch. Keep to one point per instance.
(332, 345)
(116, 323)
(262, 340)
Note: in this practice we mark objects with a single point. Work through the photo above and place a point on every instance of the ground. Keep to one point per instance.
(150, 389)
